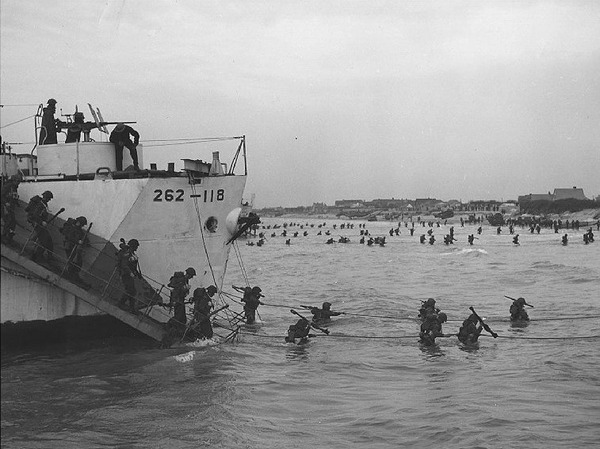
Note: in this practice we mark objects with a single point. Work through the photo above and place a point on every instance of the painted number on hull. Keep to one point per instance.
(168, 195)
(210, 196)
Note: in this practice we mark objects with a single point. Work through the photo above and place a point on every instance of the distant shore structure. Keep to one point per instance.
(560, 201)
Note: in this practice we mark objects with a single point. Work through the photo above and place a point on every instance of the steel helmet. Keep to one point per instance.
(47, 194)
(520, 301)
(133, 243)
(326, 305)
(82, 220)
(190, 271)
(442, 317)
(51, 101)
(211, 289)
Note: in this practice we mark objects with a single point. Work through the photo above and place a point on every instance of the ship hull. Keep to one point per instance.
(178, 223)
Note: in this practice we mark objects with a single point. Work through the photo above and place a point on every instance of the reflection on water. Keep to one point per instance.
(431, 351)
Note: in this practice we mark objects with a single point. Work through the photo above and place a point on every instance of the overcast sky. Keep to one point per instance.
(338, 99)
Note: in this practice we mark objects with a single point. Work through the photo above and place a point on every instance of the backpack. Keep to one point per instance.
(177, 280)
(33, 208)
(67, 227)
(122, 253)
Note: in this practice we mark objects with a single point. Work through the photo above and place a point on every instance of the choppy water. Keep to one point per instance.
(369, 383)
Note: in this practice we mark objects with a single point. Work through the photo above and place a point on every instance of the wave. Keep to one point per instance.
(471, 251)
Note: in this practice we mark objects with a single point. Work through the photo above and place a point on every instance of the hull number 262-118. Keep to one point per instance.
(177, 195)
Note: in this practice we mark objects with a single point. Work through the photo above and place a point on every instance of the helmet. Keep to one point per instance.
(190, 271)
(520, 301)
(133, 243)
(430, 302)
(199, 292)
(47, 194)
(211, 289)
(52, 101)
(442, 317)
(326, 305)
(82, 220)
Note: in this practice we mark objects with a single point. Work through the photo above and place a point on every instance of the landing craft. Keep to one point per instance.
(186, 218)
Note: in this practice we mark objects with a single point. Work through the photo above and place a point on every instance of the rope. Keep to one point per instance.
(238, 254)
(399, 337)
(212, 271)
(279, 305)
(18, 121)
(576, 337)
(18, 105)
(171, 142)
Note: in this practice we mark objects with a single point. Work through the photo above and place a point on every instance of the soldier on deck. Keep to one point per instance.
(38, 216)
(48, 131)
(74, 129)
(180, 287)
(120, 136)
(75, 239)
(8, 203)
(127, 264)
(202, 300)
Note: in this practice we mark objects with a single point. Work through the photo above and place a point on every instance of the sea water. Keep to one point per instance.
(367, 384)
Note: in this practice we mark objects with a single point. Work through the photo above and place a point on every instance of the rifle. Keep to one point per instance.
(325, 331)
(513, 299)
(62, 209)
(85, 127)
(70, 259)
(485, 326)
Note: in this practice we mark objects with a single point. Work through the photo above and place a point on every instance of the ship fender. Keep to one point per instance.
(232, 221)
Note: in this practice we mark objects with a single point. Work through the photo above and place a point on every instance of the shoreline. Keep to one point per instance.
(588, 216)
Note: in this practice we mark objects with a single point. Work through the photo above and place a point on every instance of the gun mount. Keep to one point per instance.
(75, 125)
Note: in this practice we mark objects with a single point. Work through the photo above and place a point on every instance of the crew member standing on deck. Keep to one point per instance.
(120, 137)
(127, 264)
(74, 129)
(48, 132)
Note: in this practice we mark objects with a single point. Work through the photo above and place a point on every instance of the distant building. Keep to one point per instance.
(567, 194)
(559, 194)
(535, 197)
(388, 203)
(425, 204)
(349, 203)
(483, 206)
